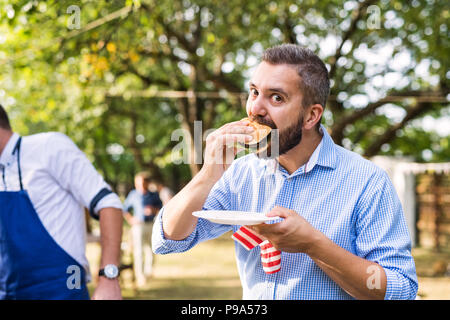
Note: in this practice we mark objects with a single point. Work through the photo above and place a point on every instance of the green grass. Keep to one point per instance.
(432, 283)
(208, 271)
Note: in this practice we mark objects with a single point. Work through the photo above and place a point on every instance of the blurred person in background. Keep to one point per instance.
(46, 182)
(165, 193)
(144, 206)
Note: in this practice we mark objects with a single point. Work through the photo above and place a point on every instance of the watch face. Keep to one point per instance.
(111, 271)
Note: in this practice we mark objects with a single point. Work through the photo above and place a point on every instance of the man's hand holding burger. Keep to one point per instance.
(223, 144)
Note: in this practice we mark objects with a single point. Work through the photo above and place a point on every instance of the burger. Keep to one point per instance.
(260, 136)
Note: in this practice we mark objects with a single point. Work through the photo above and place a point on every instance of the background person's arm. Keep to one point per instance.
(130, 218)
(127, 206)
(110, 239)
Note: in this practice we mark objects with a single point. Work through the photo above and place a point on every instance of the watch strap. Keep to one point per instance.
(101, 272)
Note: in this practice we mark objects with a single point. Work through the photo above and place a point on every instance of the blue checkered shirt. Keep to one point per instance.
(346, 197)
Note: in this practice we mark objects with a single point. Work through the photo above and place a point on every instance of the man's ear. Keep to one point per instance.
(312, 116)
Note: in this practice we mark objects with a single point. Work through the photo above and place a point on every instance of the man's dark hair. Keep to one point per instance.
(314, 81)
(4, 121)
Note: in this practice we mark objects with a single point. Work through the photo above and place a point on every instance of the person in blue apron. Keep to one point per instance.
(32, 264)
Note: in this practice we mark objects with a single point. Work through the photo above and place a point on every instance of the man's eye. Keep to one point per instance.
(253, 92)
(277, 98)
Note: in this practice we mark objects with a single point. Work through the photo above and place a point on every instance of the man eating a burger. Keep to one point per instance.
(341, 232)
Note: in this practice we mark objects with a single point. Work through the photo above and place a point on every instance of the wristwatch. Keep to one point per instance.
(110, 271)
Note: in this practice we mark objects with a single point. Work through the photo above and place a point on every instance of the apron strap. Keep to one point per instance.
(17, 148)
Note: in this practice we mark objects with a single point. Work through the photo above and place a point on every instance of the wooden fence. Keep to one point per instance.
(433, 210)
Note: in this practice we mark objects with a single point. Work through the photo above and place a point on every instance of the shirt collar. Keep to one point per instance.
(324, 155)
(7, 155)
(327, 156)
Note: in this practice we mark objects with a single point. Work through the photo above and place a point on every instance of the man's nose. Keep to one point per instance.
(256, 107)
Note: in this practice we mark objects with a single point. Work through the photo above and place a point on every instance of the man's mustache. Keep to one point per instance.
(264, 121)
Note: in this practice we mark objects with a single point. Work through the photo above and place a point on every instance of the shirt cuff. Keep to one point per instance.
(109, 201)
(398, 287)
(162, 245)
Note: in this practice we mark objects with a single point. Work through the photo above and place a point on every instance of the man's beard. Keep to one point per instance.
(286, 139)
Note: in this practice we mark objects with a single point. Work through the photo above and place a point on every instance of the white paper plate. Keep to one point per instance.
(243, 218)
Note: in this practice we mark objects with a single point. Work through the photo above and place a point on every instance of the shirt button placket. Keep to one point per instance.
(270, 288)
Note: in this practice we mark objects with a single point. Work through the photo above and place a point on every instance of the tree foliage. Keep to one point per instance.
(99, 82)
